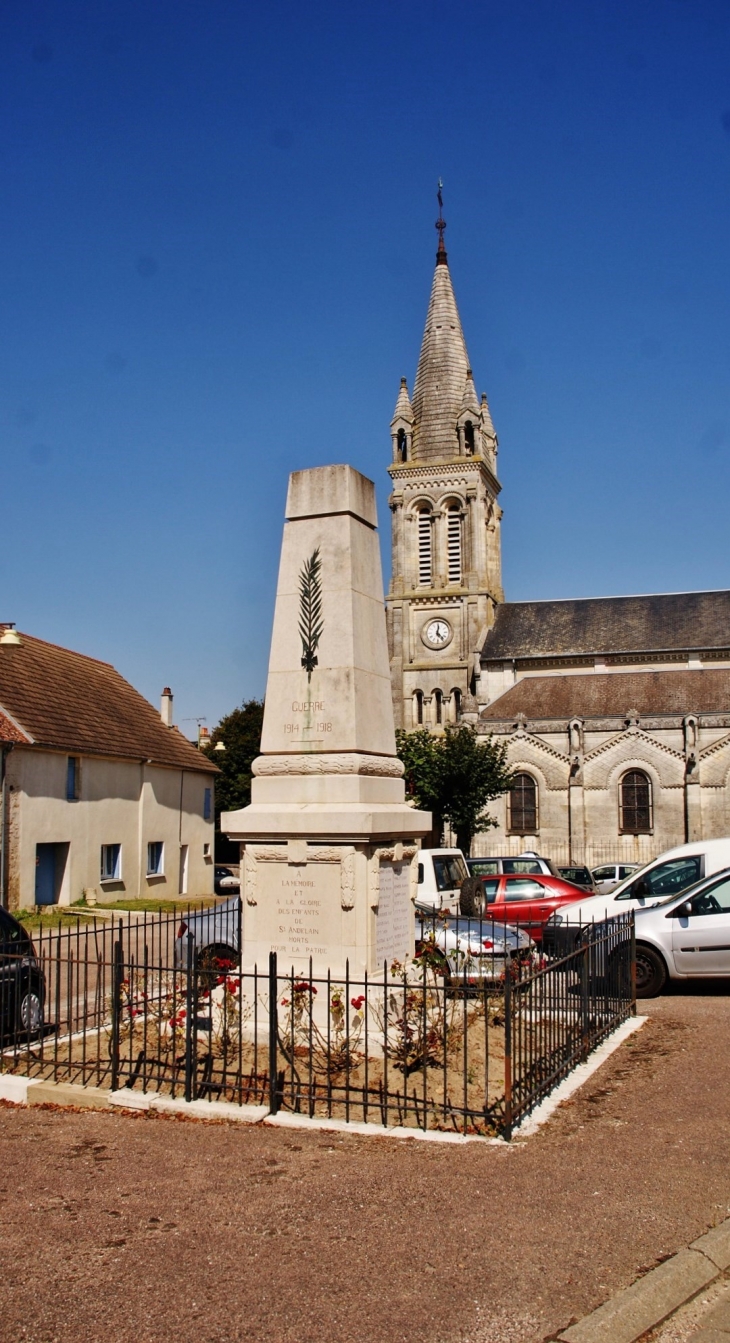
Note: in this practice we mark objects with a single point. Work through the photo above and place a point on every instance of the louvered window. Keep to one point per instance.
(453, 537)
(424, 548)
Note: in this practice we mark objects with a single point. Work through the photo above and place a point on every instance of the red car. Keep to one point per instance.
(524, 900)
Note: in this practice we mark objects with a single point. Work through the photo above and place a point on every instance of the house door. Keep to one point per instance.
(183, 869)
(45, 874)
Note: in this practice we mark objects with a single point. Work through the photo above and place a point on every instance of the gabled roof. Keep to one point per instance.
(613, 695)
(667, 622)
(52, 697)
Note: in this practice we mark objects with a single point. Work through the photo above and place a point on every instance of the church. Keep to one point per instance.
(615, 711)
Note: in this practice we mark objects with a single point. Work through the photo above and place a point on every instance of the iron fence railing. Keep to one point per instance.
(469, 1036)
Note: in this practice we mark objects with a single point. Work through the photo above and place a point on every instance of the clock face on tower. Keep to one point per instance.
(437, 633)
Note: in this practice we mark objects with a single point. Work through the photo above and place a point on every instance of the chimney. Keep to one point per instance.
(166, 706)
(204, 736)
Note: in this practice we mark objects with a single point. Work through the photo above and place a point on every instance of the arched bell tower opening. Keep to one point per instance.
(446, 573)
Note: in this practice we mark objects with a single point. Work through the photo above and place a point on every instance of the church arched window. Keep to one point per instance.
(402, 446)
(635, 803)
(418, 708)
(424, 547)
(455, 704)
(438, 707)
(522, 806)
(453, 542)
(469, 436)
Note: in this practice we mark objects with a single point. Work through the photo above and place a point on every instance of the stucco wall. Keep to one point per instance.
(120, 802)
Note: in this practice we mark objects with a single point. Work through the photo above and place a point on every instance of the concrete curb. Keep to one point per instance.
(651, 1300)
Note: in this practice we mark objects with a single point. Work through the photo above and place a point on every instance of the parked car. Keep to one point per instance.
(471, 950)
(215, 934)
(22, 984)
(226, 879)
(580, 876)
(608, 875)
(527, 901)
(669, 874)
(441, 874)
(527, 863)
(684, 937)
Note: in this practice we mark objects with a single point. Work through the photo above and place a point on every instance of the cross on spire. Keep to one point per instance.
(441, 225)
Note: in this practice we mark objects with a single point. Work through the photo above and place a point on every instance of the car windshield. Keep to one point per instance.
(449, 870)
(665, 879)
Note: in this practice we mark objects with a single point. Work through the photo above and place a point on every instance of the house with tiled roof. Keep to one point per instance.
(100, 793)
(615, 711)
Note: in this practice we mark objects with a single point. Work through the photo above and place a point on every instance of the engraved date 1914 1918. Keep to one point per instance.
(293, 729)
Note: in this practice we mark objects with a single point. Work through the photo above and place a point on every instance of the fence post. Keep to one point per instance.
(273, 1033)
(117, 977)
(584, 1031)
(633, 963)
(508, 1053)
(190, 1008)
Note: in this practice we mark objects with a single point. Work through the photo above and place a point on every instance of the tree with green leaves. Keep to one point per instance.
(454, 776)
(240, 733)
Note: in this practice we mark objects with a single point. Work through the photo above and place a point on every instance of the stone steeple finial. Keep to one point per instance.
(401, 425)
(488, 428)
(470, 401)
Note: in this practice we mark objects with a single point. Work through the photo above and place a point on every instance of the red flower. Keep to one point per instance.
(304, 987)
(358, 1002)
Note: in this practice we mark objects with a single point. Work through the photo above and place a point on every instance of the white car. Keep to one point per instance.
(608, 875)
(685, 937)
(669, 874)
(441, 873)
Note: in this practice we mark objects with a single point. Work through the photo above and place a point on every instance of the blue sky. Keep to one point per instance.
(216, 250)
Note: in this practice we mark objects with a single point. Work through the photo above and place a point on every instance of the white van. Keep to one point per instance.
(669, 874)
(440, 874)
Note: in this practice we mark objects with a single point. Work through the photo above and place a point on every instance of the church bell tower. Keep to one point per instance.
(446, 571)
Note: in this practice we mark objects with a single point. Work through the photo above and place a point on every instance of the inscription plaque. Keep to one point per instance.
(300, 911)
(393, 939)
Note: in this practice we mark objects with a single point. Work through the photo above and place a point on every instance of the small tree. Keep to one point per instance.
(455, 776)
(240, 733)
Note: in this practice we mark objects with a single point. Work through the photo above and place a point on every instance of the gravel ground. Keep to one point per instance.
(141, 1228)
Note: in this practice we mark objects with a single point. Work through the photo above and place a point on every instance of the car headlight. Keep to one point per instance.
(555, 918)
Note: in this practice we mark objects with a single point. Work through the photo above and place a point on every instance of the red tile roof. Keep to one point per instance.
(70, 702)
(613, 694)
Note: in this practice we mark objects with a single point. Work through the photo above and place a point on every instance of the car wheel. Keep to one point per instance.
(651, 972)
(471, 898)
(30, 1012)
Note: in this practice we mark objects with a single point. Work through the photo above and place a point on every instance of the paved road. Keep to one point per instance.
(136, 1229)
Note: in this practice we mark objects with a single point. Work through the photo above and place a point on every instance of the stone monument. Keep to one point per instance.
(329, 844)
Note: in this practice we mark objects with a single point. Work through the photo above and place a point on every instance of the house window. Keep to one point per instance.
(208, 804)
(634, 803)
(424, 547)
(206, 850)
(111, 862)
(522, 806)
(73, 778)
(155, 858)
(453, 541)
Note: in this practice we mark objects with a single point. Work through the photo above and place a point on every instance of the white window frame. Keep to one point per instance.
(106, 875)
(158, 871)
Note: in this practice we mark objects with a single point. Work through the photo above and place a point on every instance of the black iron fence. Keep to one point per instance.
(468, 1036)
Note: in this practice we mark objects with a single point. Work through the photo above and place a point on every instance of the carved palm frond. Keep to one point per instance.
(311, 623)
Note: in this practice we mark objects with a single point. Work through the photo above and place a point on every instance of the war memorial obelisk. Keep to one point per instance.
(328, 843)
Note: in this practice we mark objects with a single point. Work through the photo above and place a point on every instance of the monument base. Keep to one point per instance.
(338, 904)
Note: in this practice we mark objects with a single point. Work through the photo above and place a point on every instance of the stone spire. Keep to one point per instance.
(470, 401)
(442, 370)
(403, 409)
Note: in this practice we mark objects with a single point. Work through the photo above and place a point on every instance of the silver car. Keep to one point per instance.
(213, 932)
(470, 949)
(684, 937)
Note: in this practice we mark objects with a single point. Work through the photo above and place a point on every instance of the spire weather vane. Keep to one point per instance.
(440, 222)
